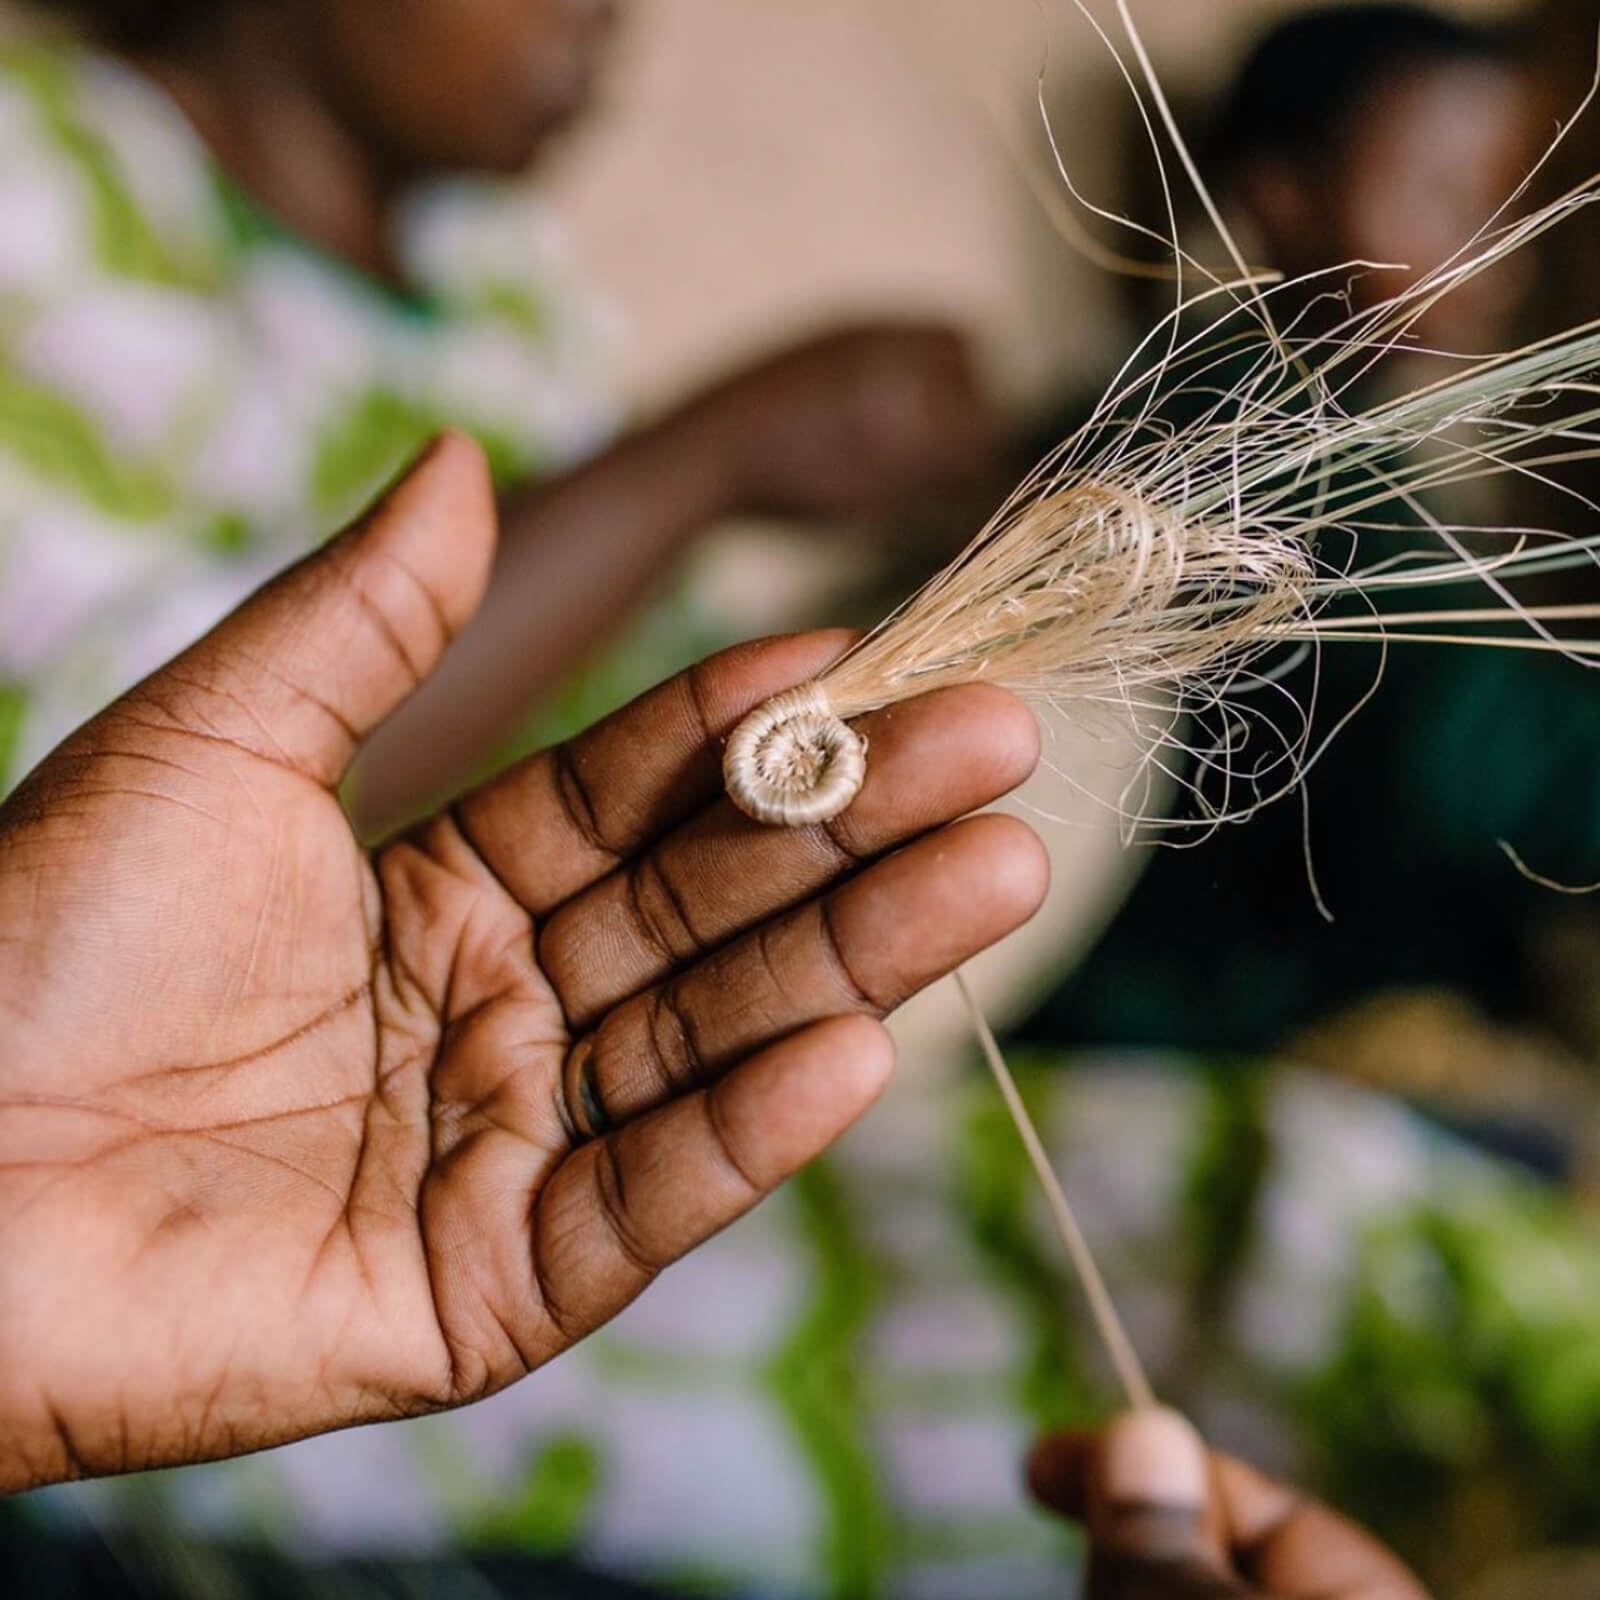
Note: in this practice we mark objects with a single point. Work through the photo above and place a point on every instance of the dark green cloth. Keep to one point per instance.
(1222, 946)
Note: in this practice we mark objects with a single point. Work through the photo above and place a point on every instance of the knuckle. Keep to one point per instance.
(577, 802)
(676, 1050)
(610, 1181)
(858, 996)
(659, 912)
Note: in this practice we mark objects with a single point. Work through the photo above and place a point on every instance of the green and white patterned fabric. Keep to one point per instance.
(190, 397)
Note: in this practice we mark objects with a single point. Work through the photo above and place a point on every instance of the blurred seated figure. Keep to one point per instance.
(1386, 134)
(237, 298)
(1380, 134)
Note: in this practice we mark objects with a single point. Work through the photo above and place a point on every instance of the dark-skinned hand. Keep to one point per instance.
(295, 1135)
(1169, 1520)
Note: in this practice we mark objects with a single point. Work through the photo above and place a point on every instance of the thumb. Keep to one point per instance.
(1169, 1521)
(310, 665)
(1144, 1490)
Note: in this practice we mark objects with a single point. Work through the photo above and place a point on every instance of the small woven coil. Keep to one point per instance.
(792, 761)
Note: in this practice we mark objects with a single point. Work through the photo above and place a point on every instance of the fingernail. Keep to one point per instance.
(1155, 1458)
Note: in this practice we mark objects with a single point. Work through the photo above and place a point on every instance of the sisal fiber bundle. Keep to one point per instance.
(1228, 504)
(1157, 568)
(1221, 502)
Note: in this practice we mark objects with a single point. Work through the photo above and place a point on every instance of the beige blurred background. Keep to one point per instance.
(762, 163)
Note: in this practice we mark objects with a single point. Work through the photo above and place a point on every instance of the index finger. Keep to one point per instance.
(564, 818)
(1298, 1549)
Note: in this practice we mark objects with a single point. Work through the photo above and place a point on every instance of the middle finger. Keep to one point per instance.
(932, 760)
(865, 947)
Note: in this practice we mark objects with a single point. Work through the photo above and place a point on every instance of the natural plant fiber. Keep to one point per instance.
(1156, 568)
(1221, 505)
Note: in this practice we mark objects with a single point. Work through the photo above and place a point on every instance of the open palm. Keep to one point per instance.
(294, 1135)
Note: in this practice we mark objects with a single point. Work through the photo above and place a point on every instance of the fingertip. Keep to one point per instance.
(1010, 736)
(853, 1056)
(452, 465)
(788, 1103)
(1151, 1495)
(1155, 1457)
(938, 757)
(931, 907)
(457, 449)
(1018, 865)
(441, 523)
(1020, 729)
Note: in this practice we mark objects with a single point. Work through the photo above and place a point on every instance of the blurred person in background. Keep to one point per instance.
(1383, 133)
(236, 299)
(1566, 36)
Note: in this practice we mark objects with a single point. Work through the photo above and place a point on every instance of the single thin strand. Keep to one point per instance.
(1130, 1373)
(1539, 878)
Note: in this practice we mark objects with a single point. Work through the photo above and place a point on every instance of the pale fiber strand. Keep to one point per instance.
(1113, 1335)
(1543, 882)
